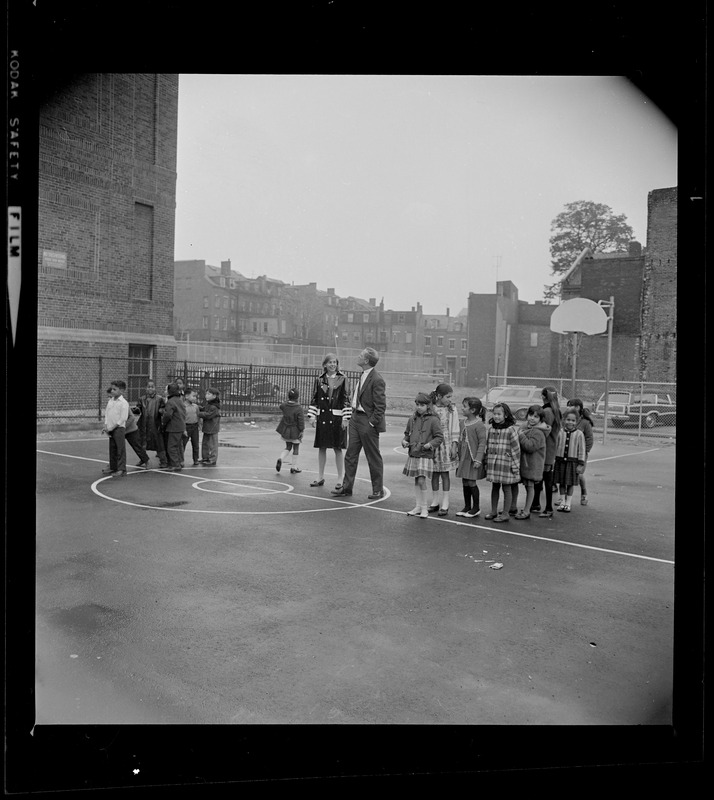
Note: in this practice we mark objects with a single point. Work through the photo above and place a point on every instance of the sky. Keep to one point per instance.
(407, 188)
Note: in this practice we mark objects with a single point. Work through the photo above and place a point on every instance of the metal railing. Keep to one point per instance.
(73, 389)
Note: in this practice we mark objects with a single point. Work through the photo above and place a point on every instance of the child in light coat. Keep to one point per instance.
(422, 437)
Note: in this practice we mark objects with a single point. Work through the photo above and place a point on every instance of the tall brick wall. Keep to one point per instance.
(107, 188)
(482, 338)
(659, 310)
(107, 197)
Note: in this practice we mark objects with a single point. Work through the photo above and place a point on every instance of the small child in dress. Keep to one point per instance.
(446, 457)
(532, 442)
(291, 428)
(472, 446)
(422, 438)
(585, 424)
(210, 414)
(503, 459)
(569, 458)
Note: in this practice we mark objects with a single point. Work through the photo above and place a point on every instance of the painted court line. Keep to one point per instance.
(533, 536)
(624, 455)
(348, 504)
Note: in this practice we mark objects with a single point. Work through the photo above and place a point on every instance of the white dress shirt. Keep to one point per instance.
(363, 377)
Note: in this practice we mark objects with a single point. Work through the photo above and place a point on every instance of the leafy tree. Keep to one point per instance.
(584, 224)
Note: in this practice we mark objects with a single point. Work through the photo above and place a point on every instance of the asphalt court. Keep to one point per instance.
(245, 483)
(563, 620)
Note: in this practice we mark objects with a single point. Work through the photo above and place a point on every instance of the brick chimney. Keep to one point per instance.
(373, 301)
(634, 249)
(226, 268)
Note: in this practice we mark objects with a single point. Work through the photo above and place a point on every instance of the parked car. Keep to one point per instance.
(653, 408)
(518, 399)
(256, 391)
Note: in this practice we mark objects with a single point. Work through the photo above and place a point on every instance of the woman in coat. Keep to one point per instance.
(329, 413)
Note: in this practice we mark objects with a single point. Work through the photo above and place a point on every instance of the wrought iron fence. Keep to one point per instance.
(640, 407)
(74, 388)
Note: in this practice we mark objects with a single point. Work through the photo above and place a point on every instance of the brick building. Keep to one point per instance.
(507, 336)
(644, 286)
(107, 195)
(444, 339)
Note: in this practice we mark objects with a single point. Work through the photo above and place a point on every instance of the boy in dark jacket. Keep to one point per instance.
(173, 423)
(291, 428)
(210, 413)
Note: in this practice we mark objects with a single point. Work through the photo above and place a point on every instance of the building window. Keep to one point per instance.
(365, 318)
(350, 317)
(233, 323)
(225, 323)
(205, 322)
(534, 340)
(400, 318)
(223, 282)
(427, 341)
(283, 327)
(355, 336)
(255, 327)
(225, 302)
(205, 302)
(216, 301)
(463, 362)
(439, 341)
(216, 323)
(345, 336)
(265, 327)
(395, 337)
(140, 369)
(233, 304)
(409, 338)
(143, 251)
(452, 344)
(383, 336)
(463, 344)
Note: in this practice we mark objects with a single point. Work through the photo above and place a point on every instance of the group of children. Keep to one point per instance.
(550, 451)
(162, 423)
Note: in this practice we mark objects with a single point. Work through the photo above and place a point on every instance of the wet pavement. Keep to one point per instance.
(237, 595)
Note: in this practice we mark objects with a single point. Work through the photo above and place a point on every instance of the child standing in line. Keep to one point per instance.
(422, 437)
(191, 435)
(585, 424)
(132, 435)
(152, 408)
(446, 457)
(551, 405)
(503, 458)
(569, 458)
(291, 428)
(472, 446)
(532, 442)
(173, 423)
(210, 414)
(115, 417)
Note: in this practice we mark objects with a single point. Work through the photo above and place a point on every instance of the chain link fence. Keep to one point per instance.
(633, 407)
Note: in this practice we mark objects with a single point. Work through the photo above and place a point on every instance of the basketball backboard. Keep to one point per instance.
(578, 315)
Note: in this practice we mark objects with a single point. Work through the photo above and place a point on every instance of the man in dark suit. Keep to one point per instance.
(369, 403)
